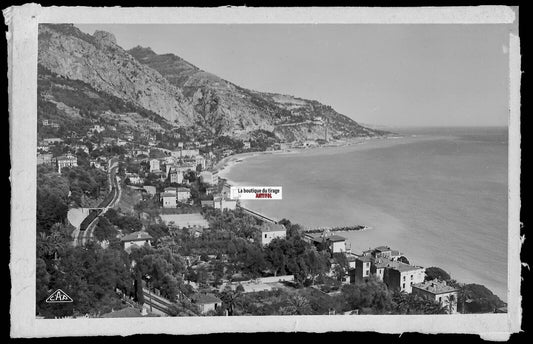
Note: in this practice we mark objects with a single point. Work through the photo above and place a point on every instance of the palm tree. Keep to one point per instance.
(52, 244)
(231, 299)
(465, 296)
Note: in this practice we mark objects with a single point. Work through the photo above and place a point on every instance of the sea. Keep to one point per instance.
(438, 195)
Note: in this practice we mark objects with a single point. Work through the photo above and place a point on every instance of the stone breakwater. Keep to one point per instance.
(338, 229)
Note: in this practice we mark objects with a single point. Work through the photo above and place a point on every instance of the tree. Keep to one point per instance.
(476, 298)
(169, 287)
(231, 299)
(42, 282)
(157, 231)
(296, 305)
(104, 230)
(414, 304)
(436, 273)
(371, 293)
(53, 244)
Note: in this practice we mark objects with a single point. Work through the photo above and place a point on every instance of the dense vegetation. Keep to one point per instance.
(99, 278)
(83, 97)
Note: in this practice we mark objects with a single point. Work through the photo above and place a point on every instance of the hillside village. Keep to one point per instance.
(133, 219)
(190, 250)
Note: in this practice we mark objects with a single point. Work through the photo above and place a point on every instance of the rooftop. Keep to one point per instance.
(365, 258)
(206, 298)
(168, 194)
(272, 227)
(336, 238)
(435, 286)
(66, 157)
(137, 236)
(181, 189)
(399, 266)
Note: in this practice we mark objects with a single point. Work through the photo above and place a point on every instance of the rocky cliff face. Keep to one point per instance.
(98, 61)
(182, 93)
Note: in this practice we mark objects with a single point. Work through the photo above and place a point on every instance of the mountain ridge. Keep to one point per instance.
(182, 93)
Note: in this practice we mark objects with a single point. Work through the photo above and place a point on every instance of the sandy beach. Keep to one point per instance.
(224, 166)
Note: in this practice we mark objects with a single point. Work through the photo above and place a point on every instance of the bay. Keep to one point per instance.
(439, 195)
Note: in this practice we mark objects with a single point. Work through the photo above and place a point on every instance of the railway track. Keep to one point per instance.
(156, 302)
(89, 223)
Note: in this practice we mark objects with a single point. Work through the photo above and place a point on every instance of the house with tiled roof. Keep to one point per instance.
(396, 274)
(138, 239)
(206, 302)
(439, 291)
(169, 200)
(334, 243)
(183, 194)
(401, 276)
(269, 231)
(384, 252)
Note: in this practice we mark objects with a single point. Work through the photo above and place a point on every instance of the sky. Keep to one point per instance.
(387, 75)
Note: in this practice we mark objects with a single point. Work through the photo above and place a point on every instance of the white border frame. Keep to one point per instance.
(22, 56)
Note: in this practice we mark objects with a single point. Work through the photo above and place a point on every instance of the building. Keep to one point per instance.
(155, 165)
(206, 302)
(137, 152)
(336, 243)
(171, 190)
(200, 160)
(169, 200)
(378, 268)
(363, 268)
(221, 202)
(333, 243)
(175, 176)
(67, 160)
(211, 190)
(439, 291)
(209, 178)
(83, 148)
(182, 153)
(136, 239)
(183, 194)
(135, 179)
(384, 252)
(247, 145)
(207, 203)
(401, 276)
(53, 140)
(98, 128)
(270, 231)
(44, 159)
(43, 147)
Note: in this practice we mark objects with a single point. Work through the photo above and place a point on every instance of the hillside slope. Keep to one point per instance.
(181, 93)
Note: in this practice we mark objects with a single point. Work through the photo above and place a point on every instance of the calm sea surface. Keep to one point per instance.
(439, 197)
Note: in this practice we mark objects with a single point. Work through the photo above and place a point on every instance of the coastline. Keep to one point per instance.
(385, 228)
(224, 166)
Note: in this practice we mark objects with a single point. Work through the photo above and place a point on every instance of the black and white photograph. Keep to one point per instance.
(221, 170)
